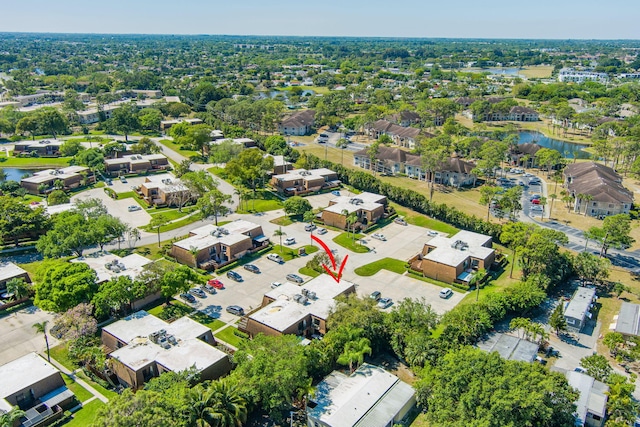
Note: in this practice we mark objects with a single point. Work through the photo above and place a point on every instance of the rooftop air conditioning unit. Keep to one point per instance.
(297, 297)
(303, 300)
(312, 295)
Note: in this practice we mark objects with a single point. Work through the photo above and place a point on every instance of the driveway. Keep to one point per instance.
(399, 287)
(117, 208)
(18, 335)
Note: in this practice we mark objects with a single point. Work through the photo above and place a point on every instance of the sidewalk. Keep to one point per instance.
(83, 383)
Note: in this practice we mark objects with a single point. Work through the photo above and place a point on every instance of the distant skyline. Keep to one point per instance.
(540, 19)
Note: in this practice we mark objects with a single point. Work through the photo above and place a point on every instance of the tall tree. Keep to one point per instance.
(125, 119)
(279, 233)
(157, 222)
(41, 328)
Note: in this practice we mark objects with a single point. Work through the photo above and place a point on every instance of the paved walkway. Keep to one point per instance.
(83, 383)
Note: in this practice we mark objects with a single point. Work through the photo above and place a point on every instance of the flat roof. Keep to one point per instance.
(447, 253)
(510, 347)
(131, 265)
(365, 201)
(592, 397)
(580, 303)
(9, 270)
(369, 396)
(628, 322)
(164, 182)
(208, 235)
(24, 372)
(49, 174)
(304, 174)
(140, 351)
(284, 311)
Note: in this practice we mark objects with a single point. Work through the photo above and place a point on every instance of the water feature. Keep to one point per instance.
(15, 174)
(567, 149)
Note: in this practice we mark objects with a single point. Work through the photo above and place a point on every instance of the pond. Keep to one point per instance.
(567, 149)
(15, 174)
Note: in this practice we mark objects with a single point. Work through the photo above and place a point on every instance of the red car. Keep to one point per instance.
(215, 283)
(536, 201)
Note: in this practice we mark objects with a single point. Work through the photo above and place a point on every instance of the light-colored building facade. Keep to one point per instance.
(164, 190)
(143, 347)
(43, 147)
(136, 163)
(591, 406)
(577, 311)
(368, 208)
(71, 177)
(577, 76)
(298, 182)
(298, 124)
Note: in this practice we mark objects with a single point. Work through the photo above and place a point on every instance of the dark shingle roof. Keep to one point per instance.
(597, 180)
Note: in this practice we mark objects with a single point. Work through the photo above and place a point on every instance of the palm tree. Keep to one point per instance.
(157, 222)
(279, 233)
(200, 403)
(230, 406)
(7, 419)
(41, 328)
(194, 252)
(354, 352)
(553, 197)
(18, 288)
(342, 144)
(587, 198)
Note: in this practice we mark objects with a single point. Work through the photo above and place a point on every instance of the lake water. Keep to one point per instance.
(498, 71)
(567, 149)
(15, 174)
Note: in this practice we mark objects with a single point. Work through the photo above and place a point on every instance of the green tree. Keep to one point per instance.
(150, 119)
(93, 158)
(8, 419)
(197, 137)
(296, 206)
(279, 233)
(218, 404)
(71, 147)
(176, 280)
(18, 220)
(62, 285)
(433, 155)
(614, 341)
(353, 353)
(147, 408)
(276, 145)
(18, 287)
(51, 121)
(372, 152)
(145, 146)
(125, 119)
(597, 366)
(57, 197)
(614, 232)
(41, 328)
(622, 408)
(29, 125)
(182, 168)
(488, 195)
(71, 234)
(250, 167)
(590, 267)
(157, 222)
(549, 158)
(515, 236)
(409, 318)
(557, 320)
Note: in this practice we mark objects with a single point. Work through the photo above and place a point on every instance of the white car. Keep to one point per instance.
(384, 303)
(275, 285)
(536, 208)
(432, 233)
(289, 241)
(379, 236)
(134, 208)
(275, 258)
(446, 293)
(321, 231)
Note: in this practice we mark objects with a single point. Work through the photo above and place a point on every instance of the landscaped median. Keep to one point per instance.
(393, 265)
(348, 241)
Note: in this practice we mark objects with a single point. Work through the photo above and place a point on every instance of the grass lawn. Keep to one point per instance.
(420, 421)
(179, 309)
(34, 162)
(264, 201)
(309, 272)
(537, 72)
(106, 393)
(153, 251)
(322, 90)
(421, 220)
(176, 147)
(87, 415)
(81, 393)
(186, 220)
(394, 265)
(61, 354)
(173, 214)
(283, 220)
(288, 253)
(208, 321)
(347, 241)
(229, 337)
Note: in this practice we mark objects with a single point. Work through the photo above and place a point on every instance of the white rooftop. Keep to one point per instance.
(284, 311)
(304, 174)
(187, 352)
(580, 303)
(131, 265)
(592, 395)
(49, 174)
(366, 201)
(135, 158)
(24, 372)
(166, 182)
(370, 396)
(447, 253)
(208, 235)
(9, 270)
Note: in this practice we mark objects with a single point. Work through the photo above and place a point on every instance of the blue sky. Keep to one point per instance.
(549, 19)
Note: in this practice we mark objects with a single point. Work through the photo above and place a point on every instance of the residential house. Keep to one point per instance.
(577, 311)
(402, 136)
(297, 309)
(166, 124)
(143, 346)
(455, 259)
(164, 190)
(524, 154)
(136, 164)
(297, 182)
(43, 148)
(455, 172)
(516, 113)
(244, 142)
(597, 189)
(280, 164)
(591, 406)
(10, 271)
(406, 118)
(210, 247)
(36, 387)
(299, 123)
(369, 208)
(71, 177)
(575, 76)
(510, 347)
(627, 321)
(370, 396)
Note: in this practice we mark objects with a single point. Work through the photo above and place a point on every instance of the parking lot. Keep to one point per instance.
(398, 287)
(117, 208)
(18, 335)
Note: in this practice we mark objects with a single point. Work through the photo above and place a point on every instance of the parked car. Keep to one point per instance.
(275, 258)
(446, 293)
(108, 181)
(534, 197)
(215, 283)
(536, 201)
(208, 289)
(236, 310)
(234, 276)
(400, 221)
(432, 233)
(375, 295)
(252, 268)
(385, 302)
(188, 297)
(197, 292)
(294, 278)
(310, 227)
(123, 179)
(536, 208)
(378, 236)
(580, 369)
(321, 231)
(289, 241)
(534, 181)
(335, 192)
(275, 285)
(133, 208)
(528, 175)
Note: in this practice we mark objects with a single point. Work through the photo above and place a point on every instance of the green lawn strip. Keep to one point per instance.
(227, 335)
(106, 393)
(347, 241)
(86, 415)
(309, 272)
(208, 321)
(61, 354)
(288, 253)
(81, 393)
(177, 148)
(176, 306)
(283, 221)
(34, 162)
(394, 265)
(260, 205)
(173, 214)
(415, 218)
